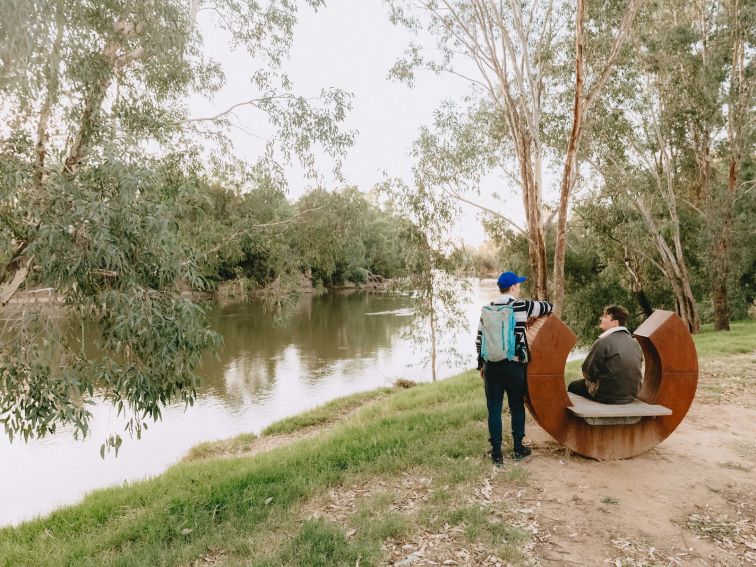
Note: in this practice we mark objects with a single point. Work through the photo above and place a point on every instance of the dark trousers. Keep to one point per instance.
(579, 387)
(510, 377)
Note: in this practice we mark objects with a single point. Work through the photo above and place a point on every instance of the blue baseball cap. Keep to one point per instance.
(508, 279)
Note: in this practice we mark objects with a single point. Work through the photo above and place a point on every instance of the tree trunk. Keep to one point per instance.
(721, 309)
(673, 265)
(685, 303)
(568, 173)
(532, 203)
(643, 301)
(432, 311)
(637, 286)
(93, 102)
(98, 88)
(44, 114)
(582, 103)
(739, 107)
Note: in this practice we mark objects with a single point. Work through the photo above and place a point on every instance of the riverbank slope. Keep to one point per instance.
(398, 477)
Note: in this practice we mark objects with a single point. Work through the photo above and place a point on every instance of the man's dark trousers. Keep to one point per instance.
(510, 377)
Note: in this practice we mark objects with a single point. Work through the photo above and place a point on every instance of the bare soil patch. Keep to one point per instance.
(689, 501)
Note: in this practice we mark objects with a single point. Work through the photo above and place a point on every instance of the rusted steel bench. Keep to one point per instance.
(669, 382)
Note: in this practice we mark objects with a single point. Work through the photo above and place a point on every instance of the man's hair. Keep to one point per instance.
(505, 289)
(618, 313)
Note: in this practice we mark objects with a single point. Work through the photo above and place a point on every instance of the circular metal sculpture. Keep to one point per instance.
(670, 380)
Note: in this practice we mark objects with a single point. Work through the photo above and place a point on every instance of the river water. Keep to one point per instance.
(268, 368)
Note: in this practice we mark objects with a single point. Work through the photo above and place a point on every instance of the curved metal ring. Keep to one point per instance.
(670, 379)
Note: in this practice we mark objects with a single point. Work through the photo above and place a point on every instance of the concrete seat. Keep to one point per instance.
(596, 413)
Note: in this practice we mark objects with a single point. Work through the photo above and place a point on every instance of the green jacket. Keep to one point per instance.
(612, 369)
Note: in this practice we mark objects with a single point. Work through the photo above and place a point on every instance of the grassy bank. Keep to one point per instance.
(254, 509)
(403, 461)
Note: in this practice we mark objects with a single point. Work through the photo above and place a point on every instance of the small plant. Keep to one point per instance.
(404, 383)
(517, 475)
(609, 500)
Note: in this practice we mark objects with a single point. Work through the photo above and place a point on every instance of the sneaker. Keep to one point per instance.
(522, 453)
(496, 458)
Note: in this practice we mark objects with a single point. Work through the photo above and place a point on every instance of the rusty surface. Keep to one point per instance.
(670, 380)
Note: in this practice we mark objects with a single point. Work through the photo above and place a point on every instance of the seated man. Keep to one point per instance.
(612, 369)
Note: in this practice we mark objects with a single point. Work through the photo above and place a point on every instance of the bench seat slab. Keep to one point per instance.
(585, 408)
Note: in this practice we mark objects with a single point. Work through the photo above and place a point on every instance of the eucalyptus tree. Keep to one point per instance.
(700, 57)
(99, 159)
(431, 281)
(512, 54)
(673, 141)
(739, 31)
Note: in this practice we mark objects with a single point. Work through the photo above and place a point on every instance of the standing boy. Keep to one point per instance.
(503, 357)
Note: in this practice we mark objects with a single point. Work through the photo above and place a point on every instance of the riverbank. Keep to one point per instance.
(225, 291)
(398, 477)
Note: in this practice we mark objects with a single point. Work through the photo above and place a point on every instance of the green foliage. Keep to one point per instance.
(672, 140)
(329, 237)
(100, 170)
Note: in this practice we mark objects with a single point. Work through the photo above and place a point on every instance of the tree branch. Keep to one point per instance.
(249, 228)
(251, 102)
(497, 214)
(8, 290)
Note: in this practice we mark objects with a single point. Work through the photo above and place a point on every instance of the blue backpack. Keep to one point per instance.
(498, 336)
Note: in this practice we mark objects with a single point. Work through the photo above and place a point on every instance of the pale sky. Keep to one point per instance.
(350, 45)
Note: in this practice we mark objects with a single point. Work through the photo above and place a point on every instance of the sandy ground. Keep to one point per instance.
(691, 500)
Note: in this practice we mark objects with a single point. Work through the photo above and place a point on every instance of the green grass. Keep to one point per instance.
(247, 509)
(236, 445)
(325, 413)
(740, 339)
(572, 371)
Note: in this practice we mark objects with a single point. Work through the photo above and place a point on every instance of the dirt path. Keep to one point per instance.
(691, 500)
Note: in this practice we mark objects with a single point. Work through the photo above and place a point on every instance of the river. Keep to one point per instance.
(268, 368)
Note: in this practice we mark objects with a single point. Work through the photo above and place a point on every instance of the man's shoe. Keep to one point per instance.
(496, 457)
(522, 453)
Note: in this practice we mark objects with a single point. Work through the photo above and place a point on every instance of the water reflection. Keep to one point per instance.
(312, 339)
(269, 367)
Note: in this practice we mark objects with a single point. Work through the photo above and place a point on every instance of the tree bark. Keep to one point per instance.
(674, 268)
(560, 249)
(739, 107)
(8, 289)
(432, 310)
(96, 90)
(581, 106)
(536, 241)
(92, 104)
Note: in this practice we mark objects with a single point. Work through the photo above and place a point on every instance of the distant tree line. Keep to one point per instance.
(324, 238)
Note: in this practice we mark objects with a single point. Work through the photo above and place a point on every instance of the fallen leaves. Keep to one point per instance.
(733, 531)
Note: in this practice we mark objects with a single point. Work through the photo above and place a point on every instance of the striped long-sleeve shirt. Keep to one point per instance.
(523, 309)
